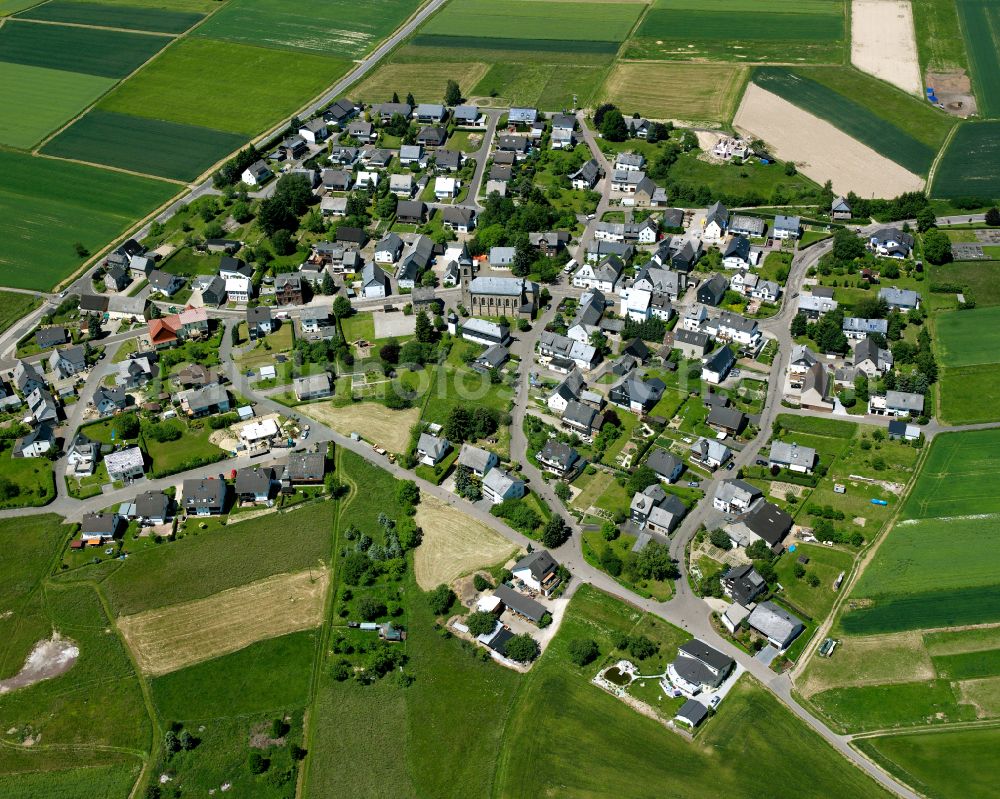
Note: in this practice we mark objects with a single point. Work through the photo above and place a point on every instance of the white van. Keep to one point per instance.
(570, 267)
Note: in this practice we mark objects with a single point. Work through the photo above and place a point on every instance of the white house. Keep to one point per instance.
(256, 174)
(538, 571)
(604, 276)
(432, 449)
(499, 485)
(446, 188)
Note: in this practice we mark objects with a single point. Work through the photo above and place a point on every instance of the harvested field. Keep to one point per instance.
(424, 80)
(819, 149)
(871, 660)
(453, 544)
(373, 421)
(170, 638)
(883, 43)
(690, 92)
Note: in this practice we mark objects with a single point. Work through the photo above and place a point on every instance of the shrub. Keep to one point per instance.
(256, 763)
(522, 648)
(641, 648)
(441, 599)
(583, 651)
(480, 583)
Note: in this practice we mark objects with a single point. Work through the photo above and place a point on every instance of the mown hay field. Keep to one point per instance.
(970, 165)
(676, 91)
(341, 28)
(173, 637)
(375, 422)
(453, 544)
(47, 206)
(140, 144)
(35, 101)
(426, 81)
(224, 85)
(980, 20)
(139, 18)
(539, 85)
(968, 338)
(106, 53)
(848, 115)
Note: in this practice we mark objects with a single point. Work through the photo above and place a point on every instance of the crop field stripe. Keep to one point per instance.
(834, 7)
(970, 165)
(968, 665)
(925, 611)
(487, 43)
(35, 101)
(981, 30)
(139, 144)
(849, 116)
(154, 20)
(106, 53)
(714, 25)
(517, 19)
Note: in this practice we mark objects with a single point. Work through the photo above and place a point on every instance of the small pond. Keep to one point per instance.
(616, 676)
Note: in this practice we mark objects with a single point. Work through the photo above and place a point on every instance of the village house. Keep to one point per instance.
(552, 346)
(42, 406)
(655, 510)
(765, 522)
(666, 466)
(165, 283)
(312, 387)
(715, 223)
(890, 242)
(108, 401)
(255, 484)
(458, 219)
(779, 626)
(786, 227)
(712, 291)
(82, 456)
(735, 496)
(636, 394)
(604, 277)
(814, 305)
(257, 174)
(125, 465)
(586, 177)
(388, 249)
(840, 209)
(538, 571)
(485, 332)
(204, 401)
(558, 458)
(903, 299)
(303, 468)
(99, 528)
(259, 322)
(375, 282)
(710, 453)
(411, 212)
(288, 289)
(203, 496)
(431, 449)
(477, 460)
(743, 584)
(499, 485)
(580, 419)
(729, 326)
(68, 361)
(698, 667)
(896, 403)
(871, 359)
(36, 443)
(791, 456)
(856, 328)
(154, 507)
(742, 225)
(716, 367)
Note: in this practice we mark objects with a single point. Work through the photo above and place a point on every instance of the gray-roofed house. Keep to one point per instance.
(304, 468)
(458, 218)
(478, 460)
(259, 322)
(165, 283)
(375, 282)
(312, 387)
(448, 160)
(777, 625)
(500, 485)
(203, 401)
(98, 528)
(857, 328)
(255, 484)
(107, 400)
(567, 391)
(792, 456)
(203, 496)
(746, 225)
(743, 584)
(656, 510)
(386, 111)
(871, 359)
(692, 713)
(586, 177)
(636, 394)
(715, 223)
(154, 506)
(388, 249)
(35, 443)
(699, 667)
(467, 115)
(580, 418)
(904, 299)
(709, 452)
(711, 291)
(522, 116)
(401, 186)
(736, 253)
(890, 242)
(735, 496)
(718, 365)
(68, 361)
(432, 449)
(82, 456)
(764, 521)
(125, 464)
(429, 112)
(432, 136)
(494, 357)
(51, 337)
(520, 604)
(558, 458)
(692, 343)
(727, 420)
(27, 378)
(482, 331)
(786, 227)
(840, 208)
(667, 467)
(42, 406)
(538, 570)
(411, 212)
(897, 403)
(117, 277)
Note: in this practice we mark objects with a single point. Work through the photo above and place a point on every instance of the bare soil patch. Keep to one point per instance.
(819, 149)
(954, 90)
(49, 658)
(883, 42)
(170, 638)
(453, 544)
(375, 422)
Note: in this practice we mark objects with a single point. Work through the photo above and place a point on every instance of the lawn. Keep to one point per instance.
(980, 280)
(427, 82)
(826, 563)
(760, 180)
(676, 91)
(188, 262)
(358, 326)
(904, 704)
(980, 21)
(224, 85)
(204, 563)
(859, 119)
(945, 764)
(968, 338)
(340, 28)
(97, 779)
(14, 306)
(157, 20)
(150, 146)
(970, 165)
(772, 31)
(93, 51)
(747, 739)
(463, 386)
(47, 206)
(958, 478)
(594, 549)
(33, 478)
(34, 101)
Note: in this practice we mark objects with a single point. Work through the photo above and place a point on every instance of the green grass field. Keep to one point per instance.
(958, 478)
(536, 84)
(113, 780)
(969, 338)
(939, 38)
(140, 144)
(523, 21)
(338, 28)
(14, 306)
(944, 764)
(136, 17)
(749, 727)
(775, 30)
(877, 707)
(36, 101)
(852, 116)
(225, 86)
(32, 476)
(105, 53)
(8, 7)
(980, 279)
(764, 181)
(47, 206)
(202, 564)
(970, 165)
(980, 20)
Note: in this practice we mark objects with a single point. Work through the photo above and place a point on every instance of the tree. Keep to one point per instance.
(282, 242)
(847, 246)
(328, 286)
(599, 113)
(395, 98)
(480, 622)
(641, 479)
(799, 324)
(613, 127)
(556, 532)
(389, 352)
(790, 169)
(425, 332)
(407, 493)
(480, 583)
(452, 93)
(640, 647)
(523, 257)
(241, 212)
(759, 550)
(256, 763)
(93, 325)
(993, 217)
(583, 651)
(937, 246)
(409, 99)
(370, 608)
(926, 219)
(522, 648)
(127, 426)
(458, 425)
(171, 742)
(342, 307)
(562, 491)
(356, 566)
(441, 599)
(720, 538)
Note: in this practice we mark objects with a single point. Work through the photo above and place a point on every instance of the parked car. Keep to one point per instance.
(693, 484)
(730, 465)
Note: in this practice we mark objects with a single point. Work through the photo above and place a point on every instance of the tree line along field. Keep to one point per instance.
(133, 17)
(970, 165)
(48, 206)
(340, 28)
(152, 146)
(980, 21)
(741, 30)
(224, 86)
(851, 116)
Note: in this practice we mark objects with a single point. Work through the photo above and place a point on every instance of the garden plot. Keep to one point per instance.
(453, 544)
(819, 149)
(170, 638)
(883, 43)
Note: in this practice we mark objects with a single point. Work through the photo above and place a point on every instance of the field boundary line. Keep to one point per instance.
(162, 34)
(955, 726)
(110, 168)
(932, 172)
